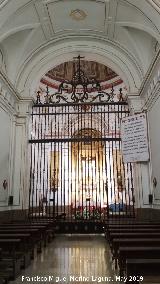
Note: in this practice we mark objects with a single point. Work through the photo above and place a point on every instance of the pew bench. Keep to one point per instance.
(132, 227)
(134, 231)
(131, 231)
(19, 241)
(11, 264)
(4, 278)
(149, 269)
(134, 235)
(41, 232)
(46, 232)
(139, 252)
(25, 253)
(47, 223)
(132, 242)
(34, 239)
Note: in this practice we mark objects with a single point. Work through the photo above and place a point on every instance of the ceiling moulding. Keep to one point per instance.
(134, 11)
(8, 85)
(76, 15)
(152, 96)
(9, 93)
(150, 74)
(18, 29)
(66, 43)
(155, 4)
(104, 52)
(142, 28)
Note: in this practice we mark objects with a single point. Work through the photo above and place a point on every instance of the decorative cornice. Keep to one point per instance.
(8, 85)
(10, 96)
(23, 107)
(153, 94)
(148, 77)
(40, 60)
(83, 35)
(155, 4)
(135, 103)
(150, 89)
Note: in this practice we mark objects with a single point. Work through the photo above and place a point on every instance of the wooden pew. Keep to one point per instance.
(118, 225)
(129, 222)
(138, 231)
(41, 229)
(132, 237)
(124, 253)
(26, 252)
(12, 246)
(124, 235)
(129, 230)
(133, 242)
(50, 230)
(13, 235)
(148, 269)
(4, 278)
(34, 239)
(46, 230)
(134, 226)
(47, 223)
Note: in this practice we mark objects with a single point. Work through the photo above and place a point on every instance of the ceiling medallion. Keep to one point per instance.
(3, 3)
(78, 15)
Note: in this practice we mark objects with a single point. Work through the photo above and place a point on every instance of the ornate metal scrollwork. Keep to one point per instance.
(78, 90)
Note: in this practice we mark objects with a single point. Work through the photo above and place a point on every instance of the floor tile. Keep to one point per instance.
(71, 259)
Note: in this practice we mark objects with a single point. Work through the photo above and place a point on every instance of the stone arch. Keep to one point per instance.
(99, 50)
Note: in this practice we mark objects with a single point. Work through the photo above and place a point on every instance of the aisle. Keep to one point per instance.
(71, 259)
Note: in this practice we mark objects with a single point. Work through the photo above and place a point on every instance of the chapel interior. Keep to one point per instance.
(79, 141)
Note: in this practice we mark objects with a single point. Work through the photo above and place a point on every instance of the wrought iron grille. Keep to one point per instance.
(80, 89)
(77, 170)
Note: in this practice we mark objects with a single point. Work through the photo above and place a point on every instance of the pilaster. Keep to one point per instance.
(20, 182)
(14, 162)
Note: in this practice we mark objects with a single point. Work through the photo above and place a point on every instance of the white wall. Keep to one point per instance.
(141, 170)
(5, 140)
(154, 131)
(151, 97)
(13, 147)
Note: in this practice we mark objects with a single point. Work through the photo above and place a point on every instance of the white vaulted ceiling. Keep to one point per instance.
(38, 35)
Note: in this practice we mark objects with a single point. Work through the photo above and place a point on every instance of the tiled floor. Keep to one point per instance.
(71, 259)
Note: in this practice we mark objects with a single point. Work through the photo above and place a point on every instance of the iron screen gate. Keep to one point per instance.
(77, 170)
